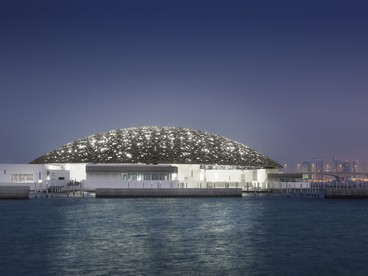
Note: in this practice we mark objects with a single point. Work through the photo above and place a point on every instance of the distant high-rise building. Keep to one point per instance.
(336, 165)
(306, 169)
(364, 167)
(318, 167)
(354, 167)
(346, 167)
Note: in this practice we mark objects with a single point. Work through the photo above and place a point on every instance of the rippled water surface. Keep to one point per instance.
(196, 236)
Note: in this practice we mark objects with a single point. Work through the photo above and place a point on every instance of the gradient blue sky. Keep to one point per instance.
(287, 78)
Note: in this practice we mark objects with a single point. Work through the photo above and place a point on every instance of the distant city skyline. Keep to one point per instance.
(332, 164)
(286, 78)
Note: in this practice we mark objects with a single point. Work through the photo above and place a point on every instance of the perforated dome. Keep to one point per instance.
(167, 145)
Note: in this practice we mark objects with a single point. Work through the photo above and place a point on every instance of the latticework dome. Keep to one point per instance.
(167, 145)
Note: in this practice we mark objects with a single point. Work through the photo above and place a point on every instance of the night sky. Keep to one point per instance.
(287, 78)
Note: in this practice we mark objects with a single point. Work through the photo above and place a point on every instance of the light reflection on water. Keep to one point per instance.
(233, 236)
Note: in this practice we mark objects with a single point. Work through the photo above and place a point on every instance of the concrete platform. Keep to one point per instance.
(178, 192)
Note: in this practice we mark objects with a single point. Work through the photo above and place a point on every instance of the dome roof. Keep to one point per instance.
(170, 145)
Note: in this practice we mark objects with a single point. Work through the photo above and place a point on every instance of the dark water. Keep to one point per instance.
(190, 236)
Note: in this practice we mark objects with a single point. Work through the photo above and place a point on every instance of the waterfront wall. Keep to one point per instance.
(229, 192)
(14, 192)
(340, 192)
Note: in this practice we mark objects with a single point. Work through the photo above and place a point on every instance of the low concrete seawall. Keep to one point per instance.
(187, 192)
(340, 193)
(16, 192)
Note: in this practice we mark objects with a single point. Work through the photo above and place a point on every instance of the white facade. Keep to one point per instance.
(188, 176)
(41, 176)
(77, 171)
(192, 176)
(33, 175)
(130, 176)
(114, 181)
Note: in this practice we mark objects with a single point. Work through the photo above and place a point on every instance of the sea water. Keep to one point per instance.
(252, 235)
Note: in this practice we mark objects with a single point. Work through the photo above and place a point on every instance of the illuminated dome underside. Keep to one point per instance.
(167, 145)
